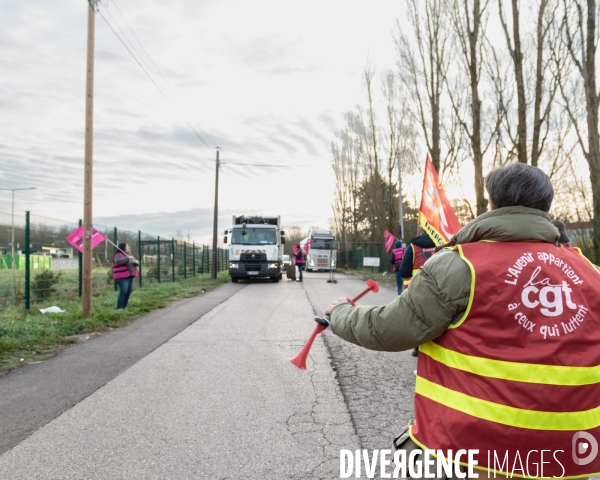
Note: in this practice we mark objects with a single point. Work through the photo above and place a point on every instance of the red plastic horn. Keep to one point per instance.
(300, 359)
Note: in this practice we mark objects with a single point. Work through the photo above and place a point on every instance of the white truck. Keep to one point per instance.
(321, 250)
(256, 247)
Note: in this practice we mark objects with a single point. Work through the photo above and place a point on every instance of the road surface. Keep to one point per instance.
(217, 400)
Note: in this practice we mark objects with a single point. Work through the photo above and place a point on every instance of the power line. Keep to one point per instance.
(146, 72)
(131, 53)
(157, 69)
(140, 43)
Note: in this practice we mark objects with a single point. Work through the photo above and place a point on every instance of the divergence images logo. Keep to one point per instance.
(584, 444)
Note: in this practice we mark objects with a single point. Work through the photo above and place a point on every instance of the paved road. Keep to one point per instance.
(220, 399)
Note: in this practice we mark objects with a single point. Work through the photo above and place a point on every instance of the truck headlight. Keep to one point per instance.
(233, 265)
(333, 263)
(273, 265)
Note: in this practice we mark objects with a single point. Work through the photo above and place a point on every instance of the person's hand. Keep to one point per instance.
(336, 303)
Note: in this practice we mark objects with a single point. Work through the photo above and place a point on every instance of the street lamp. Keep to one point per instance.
(12, 243)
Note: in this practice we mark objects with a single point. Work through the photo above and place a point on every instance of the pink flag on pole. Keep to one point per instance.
(389, 240)
(76, 238)
(307, 244)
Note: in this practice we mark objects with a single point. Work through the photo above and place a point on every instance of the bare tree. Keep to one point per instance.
(542, 80)
(469, 22)
(423, 56)
(580, 37)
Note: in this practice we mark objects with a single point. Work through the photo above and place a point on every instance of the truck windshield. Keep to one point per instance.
(321, 244)
(254, 236)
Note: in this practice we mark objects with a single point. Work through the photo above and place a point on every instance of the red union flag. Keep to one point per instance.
(436, 216)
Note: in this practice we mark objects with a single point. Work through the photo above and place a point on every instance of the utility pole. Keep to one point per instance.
(213, 269)
(401, 201)
(86, 296)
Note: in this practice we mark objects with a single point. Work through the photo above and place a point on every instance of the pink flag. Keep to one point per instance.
(389, 240)
(307, 244)
(76, 238)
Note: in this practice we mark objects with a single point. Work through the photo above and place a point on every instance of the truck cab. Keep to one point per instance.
(320, 248)
(256, 248)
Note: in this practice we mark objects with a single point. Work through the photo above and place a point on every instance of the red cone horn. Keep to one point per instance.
(300, 359)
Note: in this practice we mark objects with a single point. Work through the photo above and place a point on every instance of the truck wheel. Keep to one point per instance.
(234, 279)
(281, 276)
(274, 279)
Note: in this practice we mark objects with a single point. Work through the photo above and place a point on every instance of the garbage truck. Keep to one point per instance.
(256, 249)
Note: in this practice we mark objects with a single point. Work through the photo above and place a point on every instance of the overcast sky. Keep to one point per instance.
(267, 81)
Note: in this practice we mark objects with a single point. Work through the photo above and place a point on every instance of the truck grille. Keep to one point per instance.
(253, 257)
(253, 266)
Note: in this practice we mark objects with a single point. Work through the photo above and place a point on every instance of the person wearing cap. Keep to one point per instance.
(563, 240)
(508, 327)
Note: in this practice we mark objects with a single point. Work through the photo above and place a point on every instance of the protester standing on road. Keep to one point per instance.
(563, 239)
(508, 326)
(396, 256)
(299, 256)
(124, 271)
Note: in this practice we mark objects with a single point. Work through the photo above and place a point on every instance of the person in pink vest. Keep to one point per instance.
(124, 271)
(396, 256)
(299, 256)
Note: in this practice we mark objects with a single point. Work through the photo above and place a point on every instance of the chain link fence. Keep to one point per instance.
(37, 264)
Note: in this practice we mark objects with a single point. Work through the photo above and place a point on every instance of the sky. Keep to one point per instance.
(268, 82)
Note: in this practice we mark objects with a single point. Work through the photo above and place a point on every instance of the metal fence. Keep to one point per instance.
(354, 259)
(45, 267)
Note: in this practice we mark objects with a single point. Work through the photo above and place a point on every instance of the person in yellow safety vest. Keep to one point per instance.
(508, 326)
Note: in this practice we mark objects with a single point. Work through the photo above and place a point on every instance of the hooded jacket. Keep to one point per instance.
(439, 293)
(423, 241)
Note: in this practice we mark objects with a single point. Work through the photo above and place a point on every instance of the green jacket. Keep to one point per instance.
(439, 293)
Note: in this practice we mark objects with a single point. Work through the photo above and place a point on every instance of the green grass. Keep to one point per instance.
(30, 336)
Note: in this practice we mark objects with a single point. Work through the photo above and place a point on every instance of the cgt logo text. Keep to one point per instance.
(436, 463)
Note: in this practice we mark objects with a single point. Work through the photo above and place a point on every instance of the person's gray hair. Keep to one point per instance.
(519, 184)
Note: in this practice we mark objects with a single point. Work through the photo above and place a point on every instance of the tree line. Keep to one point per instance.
(478, 84)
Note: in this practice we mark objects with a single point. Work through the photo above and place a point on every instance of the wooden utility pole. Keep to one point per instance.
(86, 296)
(213, 269)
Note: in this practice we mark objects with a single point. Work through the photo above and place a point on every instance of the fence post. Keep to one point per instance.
(140, 257)
(184, 260)
(27, 262)
(80, 276)
(158, 259)
(173, 259)
(194, 258)
(115, 241)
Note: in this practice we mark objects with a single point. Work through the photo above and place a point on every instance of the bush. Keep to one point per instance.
(44, 284)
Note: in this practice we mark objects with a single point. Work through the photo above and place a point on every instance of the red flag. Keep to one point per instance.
(76, 238)
(389, 240)
(436, 216)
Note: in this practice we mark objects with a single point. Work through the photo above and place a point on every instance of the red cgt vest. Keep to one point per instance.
(520, 372)
(420, 256)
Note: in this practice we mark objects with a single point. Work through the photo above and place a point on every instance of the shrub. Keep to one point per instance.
(44, 284)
